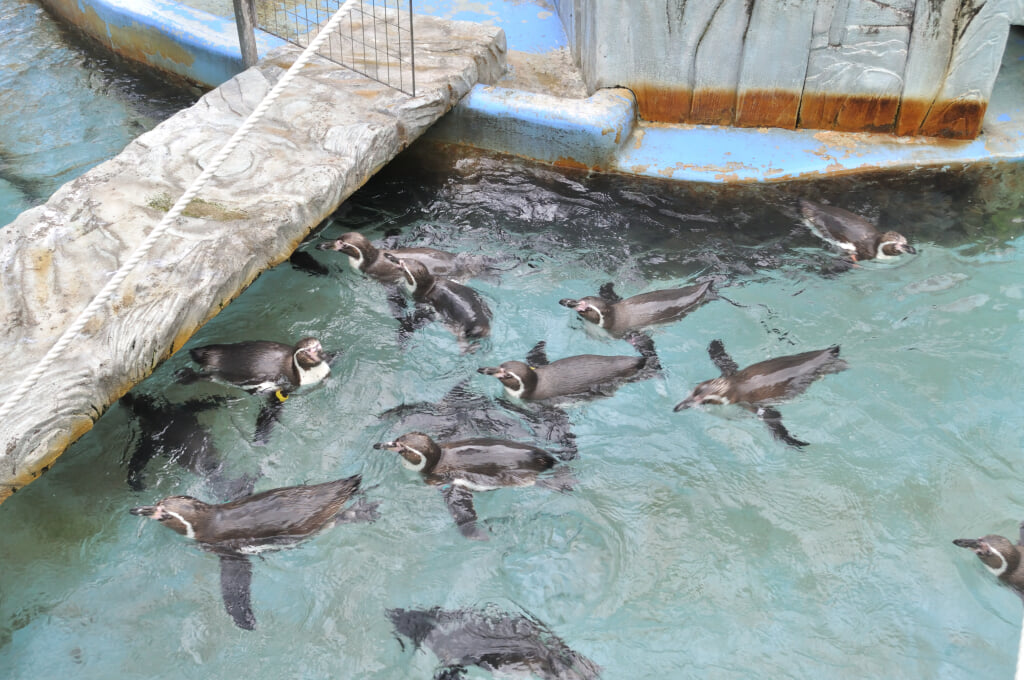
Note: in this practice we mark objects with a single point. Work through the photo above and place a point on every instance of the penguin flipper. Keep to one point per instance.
(460, 504)
(235, 589)
(608, 294)
(773, 419)
(188, 375)
(538, 356)
(269, 415)
(305, 262)
(721, 358)
(450, 673)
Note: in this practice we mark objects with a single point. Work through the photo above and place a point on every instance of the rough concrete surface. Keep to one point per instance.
(322, 139)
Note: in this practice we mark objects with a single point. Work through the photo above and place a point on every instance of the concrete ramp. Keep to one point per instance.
(320, 141)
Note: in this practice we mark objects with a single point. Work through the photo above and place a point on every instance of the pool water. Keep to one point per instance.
(694, 546)
(64, 106)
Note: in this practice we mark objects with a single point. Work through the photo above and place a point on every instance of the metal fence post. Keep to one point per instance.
(245, 20)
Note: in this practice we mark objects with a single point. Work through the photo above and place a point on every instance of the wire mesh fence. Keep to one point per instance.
(375, 39)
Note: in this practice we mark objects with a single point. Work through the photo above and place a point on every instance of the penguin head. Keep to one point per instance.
(516, 376)
(419, 452)
(891, 244)
(592, 309)
(309, 353)
(712, 391)
(997, 552)
(415, 276)
(355, 245)
(174, 512)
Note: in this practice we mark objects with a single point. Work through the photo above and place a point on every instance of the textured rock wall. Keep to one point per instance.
(913, 67)
(321, 140)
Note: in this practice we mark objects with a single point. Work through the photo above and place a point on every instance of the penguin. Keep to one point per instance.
(1001, 557)
(363, 256)
(270, 520)
(174, 431)
(462, 308)
(852, 233)
(474, 465)
(581, 376)
(764, 383)
(619, 317)
(273, 369)
(463, 413)
(493, 640)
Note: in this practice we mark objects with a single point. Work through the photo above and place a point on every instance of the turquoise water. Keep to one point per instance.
(695, 545)
(64, 107)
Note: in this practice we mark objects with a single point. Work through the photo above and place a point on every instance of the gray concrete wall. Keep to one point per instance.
(912, 67)
(322, 139)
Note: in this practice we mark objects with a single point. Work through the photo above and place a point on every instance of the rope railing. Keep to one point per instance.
(107, 292)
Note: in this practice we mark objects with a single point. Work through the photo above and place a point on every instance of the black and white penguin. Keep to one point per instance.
(493, 640)
(270, 520)
(618, 317)
(174, 431)
(466, 466)
(764, 383)
(1001, 557)
(262, 367)
(580, 376)
(852, 233)
(462, 308)
(363, 256)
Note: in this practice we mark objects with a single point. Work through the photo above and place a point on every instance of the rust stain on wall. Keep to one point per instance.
(757, 108)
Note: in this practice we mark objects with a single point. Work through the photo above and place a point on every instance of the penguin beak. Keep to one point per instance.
(568, 302)
(683, 405)
(337, 244)
(909, 249)
(976, 544)
(144, 511)
(491, 370)
(390, 446)
(391, 258)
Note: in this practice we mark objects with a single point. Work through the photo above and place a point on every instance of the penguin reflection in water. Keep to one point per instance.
(270, 520)
(461, 308)
(493, 640)
(466, 466)
(764, 383)
(576, 377)
(270, 369)
(1001, 557)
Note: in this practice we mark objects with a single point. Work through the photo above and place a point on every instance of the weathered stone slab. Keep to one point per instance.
(323, 138)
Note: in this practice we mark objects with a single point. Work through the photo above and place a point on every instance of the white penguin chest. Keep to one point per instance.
(313, 375)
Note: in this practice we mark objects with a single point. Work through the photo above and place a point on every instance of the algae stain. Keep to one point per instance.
(198, 208)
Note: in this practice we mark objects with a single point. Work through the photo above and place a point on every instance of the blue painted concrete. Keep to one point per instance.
(529, 25)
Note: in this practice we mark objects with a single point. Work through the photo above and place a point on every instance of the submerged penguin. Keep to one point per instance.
(174, 431)
(493, 640)
(272, 369)
(478, 464)
(764, 383)
(619, 317)
(462, 308)
(581, 376)
(1001, 557)
(852, 233)
(270, 520)
(367, 258)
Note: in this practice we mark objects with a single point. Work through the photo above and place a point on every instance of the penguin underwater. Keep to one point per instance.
(493, 640)
(619, 317)
(270, 520)
(1001, 557)
(852, 233)
(580, 376)
(466, 466)
(764, 383)
(462, 308)
(263, 367)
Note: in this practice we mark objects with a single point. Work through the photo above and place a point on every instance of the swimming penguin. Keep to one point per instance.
(493, 640)
(174, 431)
(478, 464)
(263, 367)
(365, 257)
(461, 307)
(852, 233)
(764, 383)
(619, 317)
(464, 413)
(584, 375)
(270, 520)
(1001, 557)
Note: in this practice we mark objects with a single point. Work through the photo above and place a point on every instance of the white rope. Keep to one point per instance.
(121, 274)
